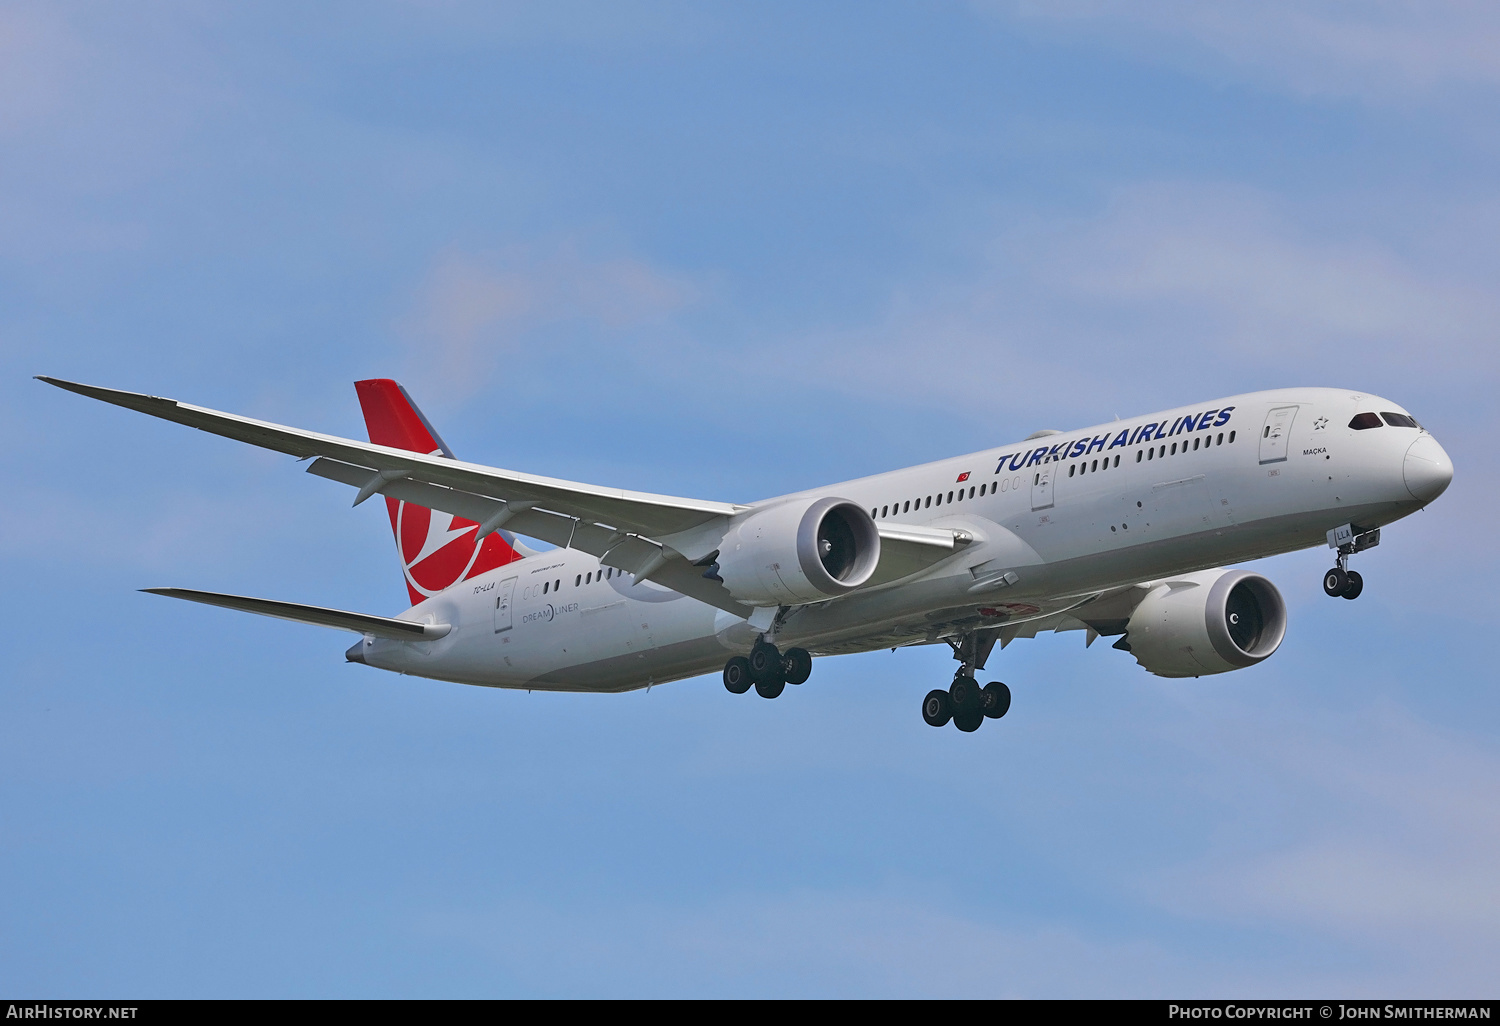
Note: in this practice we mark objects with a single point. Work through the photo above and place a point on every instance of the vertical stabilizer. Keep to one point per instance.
(437, 549)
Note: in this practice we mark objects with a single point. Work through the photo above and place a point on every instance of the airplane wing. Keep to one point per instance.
(635, 512)
(622, 528)
(360, 623)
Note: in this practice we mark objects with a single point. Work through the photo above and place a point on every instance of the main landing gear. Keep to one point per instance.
(767, 670)
(1341, 582)
(965, 703)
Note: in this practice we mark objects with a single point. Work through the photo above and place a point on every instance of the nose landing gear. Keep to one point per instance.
(1341, 582)
(767, 670)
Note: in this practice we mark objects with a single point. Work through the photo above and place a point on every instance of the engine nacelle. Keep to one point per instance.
(1212, 621)
(806, 550)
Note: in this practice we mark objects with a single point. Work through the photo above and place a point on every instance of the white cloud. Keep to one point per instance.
(36, 59)
(1399, 858)
(1272, 283)
(1377, 49)
(814, 943)
(1173, 286)
(611, 26)
(474, 310)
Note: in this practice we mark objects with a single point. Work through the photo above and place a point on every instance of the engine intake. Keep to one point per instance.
(800, 551)
(1212, 621)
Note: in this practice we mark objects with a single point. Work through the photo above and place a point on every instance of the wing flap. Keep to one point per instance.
(320, 616)
(613, 547)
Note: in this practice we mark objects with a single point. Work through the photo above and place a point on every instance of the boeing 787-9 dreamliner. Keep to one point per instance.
(1119, 530)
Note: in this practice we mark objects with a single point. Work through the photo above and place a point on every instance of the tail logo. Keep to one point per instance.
(437, 548)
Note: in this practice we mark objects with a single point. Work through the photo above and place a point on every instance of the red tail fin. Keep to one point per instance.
(437, 549)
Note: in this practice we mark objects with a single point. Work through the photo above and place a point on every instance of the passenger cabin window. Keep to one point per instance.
(1364, 421)
(545, 586)
(1399, 420)
(578, 580)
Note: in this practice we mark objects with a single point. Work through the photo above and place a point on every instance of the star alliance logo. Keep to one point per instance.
(1320, 423)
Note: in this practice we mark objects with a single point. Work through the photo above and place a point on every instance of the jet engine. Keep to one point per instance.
(806, 550)
(1212, 621)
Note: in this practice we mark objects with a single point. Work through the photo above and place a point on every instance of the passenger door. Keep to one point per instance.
(1275, 435)
(1041, 486)
(503, 603)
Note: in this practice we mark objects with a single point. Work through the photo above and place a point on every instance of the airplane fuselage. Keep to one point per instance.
(1055, 521)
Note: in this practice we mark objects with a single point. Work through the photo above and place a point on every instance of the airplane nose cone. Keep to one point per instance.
(1428, 469)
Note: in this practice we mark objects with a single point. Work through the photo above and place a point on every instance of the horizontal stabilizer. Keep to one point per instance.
(360, 623)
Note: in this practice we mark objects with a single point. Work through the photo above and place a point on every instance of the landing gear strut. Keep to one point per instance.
(767, 670)
(1341, 582)
(965, 703)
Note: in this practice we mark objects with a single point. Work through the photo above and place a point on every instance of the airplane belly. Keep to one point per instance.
(628, 644)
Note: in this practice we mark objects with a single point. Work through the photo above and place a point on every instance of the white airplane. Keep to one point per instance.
(1122, 529)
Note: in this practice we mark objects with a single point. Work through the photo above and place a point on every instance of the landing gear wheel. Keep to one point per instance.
(770, 688)
(996, 699)
(1355, 586)
(1335, 581)
(937, 710)
(796, 665)
(966, 697)
(737, 675)
(968, 722)
(765, 662)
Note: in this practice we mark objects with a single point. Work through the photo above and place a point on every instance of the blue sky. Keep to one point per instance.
(728, 251)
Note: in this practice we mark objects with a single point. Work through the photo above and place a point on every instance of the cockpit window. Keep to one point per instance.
(1399, 420)
(1362, 421)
